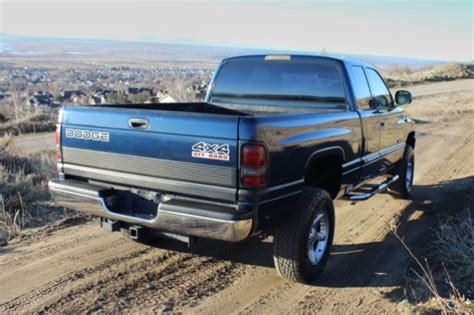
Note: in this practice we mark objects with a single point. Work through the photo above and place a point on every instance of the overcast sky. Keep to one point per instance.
(424, 29)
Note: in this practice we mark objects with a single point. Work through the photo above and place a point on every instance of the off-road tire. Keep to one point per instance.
(290, 253)
(400, 188)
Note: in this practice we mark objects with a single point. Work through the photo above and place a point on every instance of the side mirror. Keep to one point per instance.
(402, 97)
(379, 102)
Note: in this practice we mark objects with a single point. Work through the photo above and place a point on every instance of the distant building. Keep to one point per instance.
(41, 98)
(96, 100)
(73, 95)
(4, 95)
(166, 99)
(135, 90)
(3, 118)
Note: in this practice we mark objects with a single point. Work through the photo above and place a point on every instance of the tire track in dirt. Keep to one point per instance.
(125, 283)
(32, 297)
(159, 284)
(47, 245)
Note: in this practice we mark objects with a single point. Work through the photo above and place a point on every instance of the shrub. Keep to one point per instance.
(24, 197)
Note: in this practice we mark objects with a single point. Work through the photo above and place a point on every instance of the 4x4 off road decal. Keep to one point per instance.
(205, 150)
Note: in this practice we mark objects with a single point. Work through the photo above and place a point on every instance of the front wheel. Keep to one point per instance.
(302, 244)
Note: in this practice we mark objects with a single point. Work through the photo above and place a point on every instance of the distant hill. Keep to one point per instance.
(402, 76)
(32, 46)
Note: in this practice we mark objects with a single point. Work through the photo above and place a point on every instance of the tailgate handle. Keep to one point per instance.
(138, 123)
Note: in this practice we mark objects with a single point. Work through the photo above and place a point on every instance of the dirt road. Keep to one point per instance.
(79, 268)
(441, 87)
(34, 143)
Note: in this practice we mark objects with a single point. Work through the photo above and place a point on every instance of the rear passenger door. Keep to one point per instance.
(372, 121)
(391, 145)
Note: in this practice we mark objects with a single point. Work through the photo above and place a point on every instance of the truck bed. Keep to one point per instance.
(191, 107)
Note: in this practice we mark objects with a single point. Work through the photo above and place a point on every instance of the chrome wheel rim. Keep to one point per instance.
(409, 174)
(318, 238)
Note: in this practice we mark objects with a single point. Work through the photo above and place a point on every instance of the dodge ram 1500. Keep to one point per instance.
(277, 139)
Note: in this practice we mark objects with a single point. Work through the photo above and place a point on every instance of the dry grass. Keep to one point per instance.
(38, 121)
(180, 90)
(402, 76)
(455, 246)
(24, 198)
(447, 282)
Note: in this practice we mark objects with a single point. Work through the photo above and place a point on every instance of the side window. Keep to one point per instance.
(380, 94)
(361, 87)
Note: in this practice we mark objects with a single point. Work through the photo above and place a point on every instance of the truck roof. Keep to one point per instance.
(300, 57)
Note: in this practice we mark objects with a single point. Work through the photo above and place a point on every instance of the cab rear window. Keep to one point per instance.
(280, 81)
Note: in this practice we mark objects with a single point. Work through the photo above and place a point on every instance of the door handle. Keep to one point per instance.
(138, 123)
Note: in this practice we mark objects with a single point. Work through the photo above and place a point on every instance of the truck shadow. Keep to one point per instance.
(375, 264)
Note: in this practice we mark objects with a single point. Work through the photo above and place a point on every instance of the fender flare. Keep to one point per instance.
(333, 150)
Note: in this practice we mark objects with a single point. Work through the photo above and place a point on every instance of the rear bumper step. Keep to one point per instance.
(172, 216)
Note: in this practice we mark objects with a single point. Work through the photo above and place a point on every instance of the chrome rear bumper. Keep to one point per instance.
(172, 216)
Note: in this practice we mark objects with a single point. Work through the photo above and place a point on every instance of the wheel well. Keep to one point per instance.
(325, 172)
(411, 139)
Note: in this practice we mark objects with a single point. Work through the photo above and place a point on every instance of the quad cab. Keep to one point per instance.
(278, 138)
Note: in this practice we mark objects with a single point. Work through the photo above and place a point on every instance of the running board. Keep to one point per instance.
(382, 186)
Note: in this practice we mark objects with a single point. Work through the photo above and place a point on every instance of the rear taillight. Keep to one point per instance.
(58, 143)
(254, 166)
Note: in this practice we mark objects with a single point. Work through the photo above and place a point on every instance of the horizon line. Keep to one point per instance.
(191, 42)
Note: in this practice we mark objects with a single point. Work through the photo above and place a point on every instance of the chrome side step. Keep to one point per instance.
(382, 186)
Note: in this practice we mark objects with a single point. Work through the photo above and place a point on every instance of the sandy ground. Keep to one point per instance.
(80, 268)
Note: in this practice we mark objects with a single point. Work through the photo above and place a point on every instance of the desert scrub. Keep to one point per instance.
(397, 76)
(455, 247)
(24, 197)
(30, 123)
(443, 282)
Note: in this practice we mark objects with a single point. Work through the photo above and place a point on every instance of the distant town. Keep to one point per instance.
(44, 86)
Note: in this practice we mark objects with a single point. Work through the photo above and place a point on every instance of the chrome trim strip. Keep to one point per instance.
(392, 149)
(283, 186)
(280, 197)
(197, 217)
(354, 161)
(163, 168)
(372, 157)
(152, 183)
(376, 156)
(200, 201)
(51, 187)
(351, 170)
(260, 195)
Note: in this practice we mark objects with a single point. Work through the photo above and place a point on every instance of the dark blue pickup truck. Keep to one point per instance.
(278, 138)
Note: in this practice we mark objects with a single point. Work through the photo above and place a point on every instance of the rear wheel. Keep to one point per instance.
(406, 172)
(302, 245)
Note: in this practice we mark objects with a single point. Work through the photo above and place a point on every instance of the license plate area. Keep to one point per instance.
(134, 203)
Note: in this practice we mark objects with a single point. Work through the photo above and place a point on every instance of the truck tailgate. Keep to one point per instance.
(195, 148)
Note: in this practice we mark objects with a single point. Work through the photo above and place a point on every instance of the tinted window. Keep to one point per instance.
(280, 80)
(361, 87)
(379, 91)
